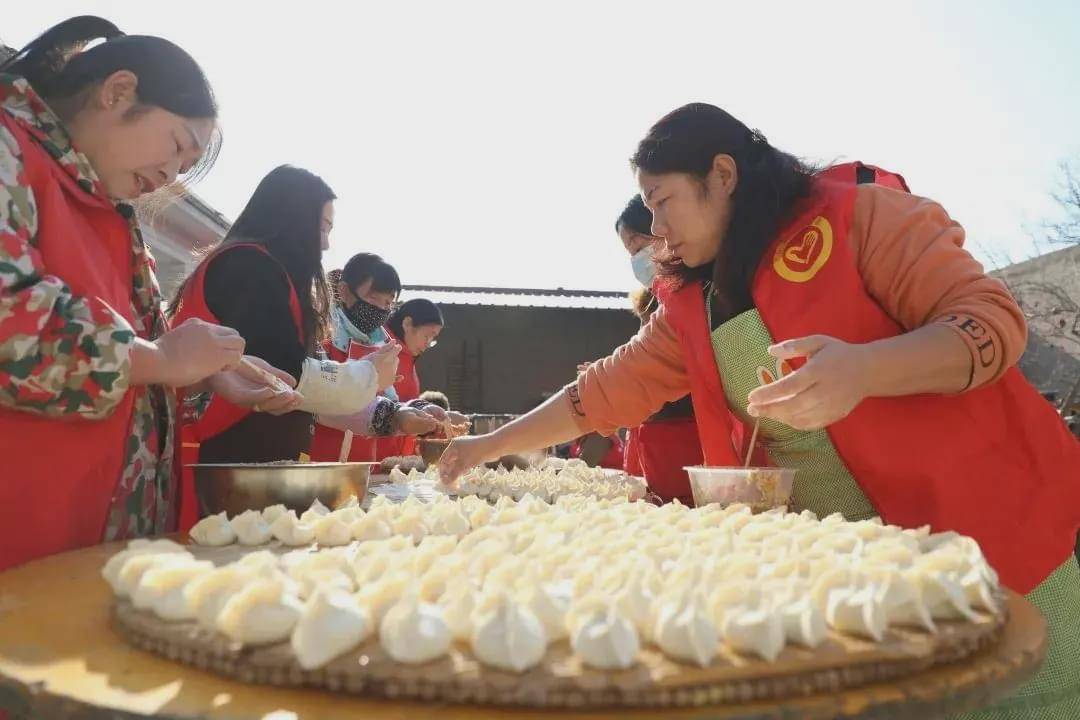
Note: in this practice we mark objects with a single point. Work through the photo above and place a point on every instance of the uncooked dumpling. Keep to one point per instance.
(260, 613)
(331, 623)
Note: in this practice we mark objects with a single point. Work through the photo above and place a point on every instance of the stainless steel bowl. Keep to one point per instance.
(234, 488)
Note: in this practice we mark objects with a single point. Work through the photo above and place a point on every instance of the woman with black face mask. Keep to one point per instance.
(366, 292)
(365, 295)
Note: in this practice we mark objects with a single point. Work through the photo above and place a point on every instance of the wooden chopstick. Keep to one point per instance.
(268, 377)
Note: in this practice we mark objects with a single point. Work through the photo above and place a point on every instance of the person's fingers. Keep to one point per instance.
(262, 395)
(253, 375)
(813, 419)
(449, 465)
(793, 411)
(231, 342)
(280, 404)
(258, 373)
(436, 412)
(800, 347)
(799, 381)
(232, 346)
(221, 331)
(387, 350)
(232, 363)
(283, 376)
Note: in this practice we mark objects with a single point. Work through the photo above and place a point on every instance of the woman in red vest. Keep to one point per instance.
(266, 280)
(667, 442)
(415, 325)
(89, 370)
(364, 300)
(877, 355)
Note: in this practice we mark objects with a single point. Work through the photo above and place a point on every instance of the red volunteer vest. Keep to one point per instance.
(661, 449)
(220, 414)
(995, 463)
(326, 445)
(59, 476)
(613, 459)
(408, 388)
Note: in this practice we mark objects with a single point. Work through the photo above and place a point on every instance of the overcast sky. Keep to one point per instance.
(476, 143)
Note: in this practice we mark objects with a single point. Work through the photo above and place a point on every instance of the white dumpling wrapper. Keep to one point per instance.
(414, 632)
(213, 531)
(260, 613)
(251, 529)
(506, 635)
(331, 624)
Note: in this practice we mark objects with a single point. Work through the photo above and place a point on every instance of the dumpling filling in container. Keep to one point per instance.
(762, 488)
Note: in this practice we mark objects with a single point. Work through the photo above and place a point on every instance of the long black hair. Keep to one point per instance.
(421, 310)
(62, 71)
(770, 184)
(284, 215)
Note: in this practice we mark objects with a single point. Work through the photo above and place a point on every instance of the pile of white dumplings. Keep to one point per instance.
(552, 479)
(507, 580)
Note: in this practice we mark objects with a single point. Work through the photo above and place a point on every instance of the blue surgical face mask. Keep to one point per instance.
(643, 266)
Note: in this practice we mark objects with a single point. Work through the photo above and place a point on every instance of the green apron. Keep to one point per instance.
(824, 485)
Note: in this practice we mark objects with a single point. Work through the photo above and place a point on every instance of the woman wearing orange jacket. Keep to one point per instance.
(892, 357)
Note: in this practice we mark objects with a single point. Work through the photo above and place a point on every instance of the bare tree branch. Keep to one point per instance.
(996, 258)
(1067, 230)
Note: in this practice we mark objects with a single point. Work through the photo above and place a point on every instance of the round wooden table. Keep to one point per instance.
(60, 659)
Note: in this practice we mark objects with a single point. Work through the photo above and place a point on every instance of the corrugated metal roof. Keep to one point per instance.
(518, 297)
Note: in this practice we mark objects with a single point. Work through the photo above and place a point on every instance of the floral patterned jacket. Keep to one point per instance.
(65, 356)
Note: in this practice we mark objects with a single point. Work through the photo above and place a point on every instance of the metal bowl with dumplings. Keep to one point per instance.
(237, 487)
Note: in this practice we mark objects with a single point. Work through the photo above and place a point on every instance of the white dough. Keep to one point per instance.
(331, 623)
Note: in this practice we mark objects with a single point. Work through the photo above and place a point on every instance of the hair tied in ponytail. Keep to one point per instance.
(61, 65)
(50, 51)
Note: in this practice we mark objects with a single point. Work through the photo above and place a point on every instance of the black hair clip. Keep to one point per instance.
(757, 137)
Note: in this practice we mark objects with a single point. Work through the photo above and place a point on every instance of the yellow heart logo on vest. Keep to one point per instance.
(803, 254)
